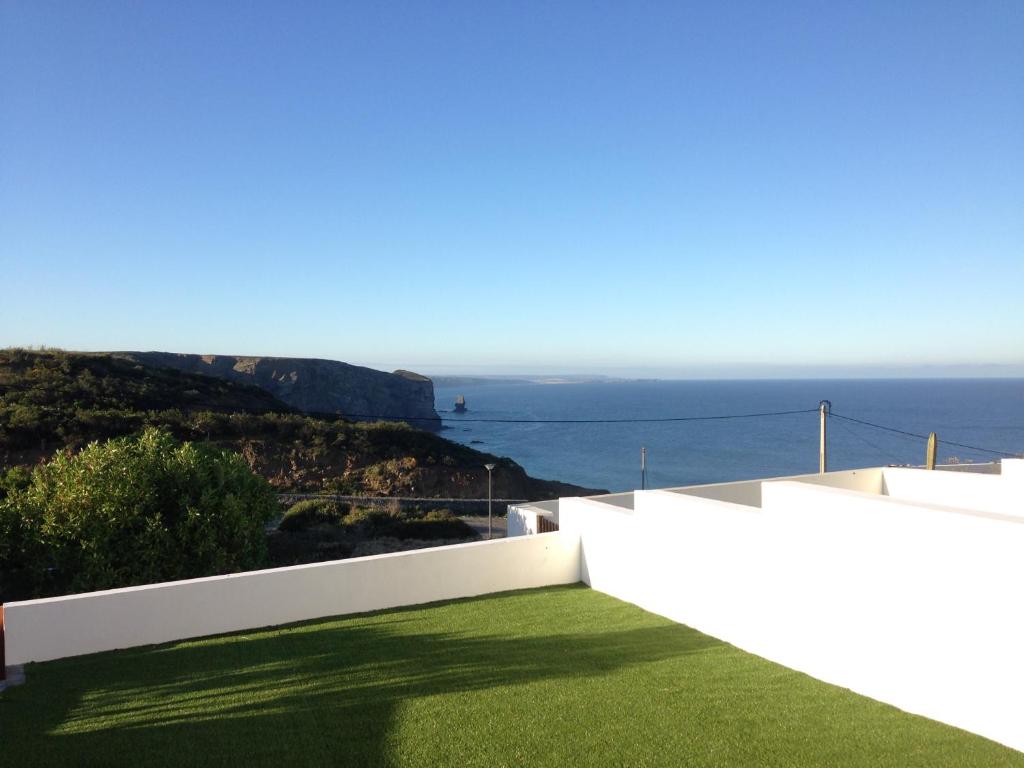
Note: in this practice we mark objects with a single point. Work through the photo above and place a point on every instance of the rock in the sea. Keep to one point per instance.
(317, 386)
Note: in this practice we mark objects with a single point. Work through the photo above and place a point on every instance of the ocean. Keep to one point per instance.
(986, 413)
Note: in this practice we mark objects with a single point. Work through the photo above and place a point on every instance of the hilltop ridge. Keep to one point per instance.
(56, 400)
(314, 385)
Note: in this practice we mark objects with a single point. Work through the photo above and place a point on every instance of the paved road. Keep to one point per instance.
(479, 524)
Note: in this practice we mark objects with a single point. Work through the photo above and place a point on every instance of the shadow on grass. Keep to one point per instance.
(304, 694)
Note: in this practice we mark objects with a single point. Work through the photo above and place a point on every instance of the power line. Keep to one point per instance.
(663, 420)
(579, 421)
(922, 437)
(881, 452)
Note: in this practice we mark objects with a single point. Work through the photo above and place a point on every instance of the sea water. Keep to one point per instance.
(987, 413)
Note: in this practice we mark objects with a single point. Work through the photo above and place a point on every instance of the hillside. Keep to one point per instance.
(315, 386)
(52, 400)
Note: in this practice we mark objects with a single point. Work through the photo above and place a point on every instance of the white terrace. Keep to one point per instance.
(901, 584)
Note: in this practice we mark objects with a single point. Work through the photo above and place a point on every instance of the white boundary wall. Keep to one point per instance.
(53, 628)
(908, 602)
(957, 489)
(748, 492)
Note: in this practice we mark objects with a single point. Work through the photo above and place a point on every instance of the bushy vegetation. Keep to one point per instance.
(13, 479)
(322, 529)
(52, 400)
(144, 508)
(131, 511)
(436, 524)
(375, 521)
(309, 512)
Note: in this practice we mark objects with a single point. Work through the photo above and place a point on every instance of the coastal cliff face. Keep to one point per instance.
(316, 386)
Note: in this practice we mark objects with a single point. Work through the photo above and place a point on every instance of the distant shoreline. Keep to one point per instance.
(478, 381)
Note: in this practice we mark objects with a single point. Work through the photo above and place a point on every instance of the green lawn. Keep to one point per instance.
(561, 677)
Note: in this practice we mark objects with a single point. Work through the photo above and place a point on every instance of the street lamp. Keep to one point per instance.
(490, 468)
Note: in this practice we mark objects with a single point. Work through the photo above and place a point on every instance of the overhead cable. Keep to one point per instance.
(922, 437)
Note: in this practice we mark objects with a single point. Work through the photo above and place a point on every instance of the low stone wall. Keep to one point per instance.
(458, 506)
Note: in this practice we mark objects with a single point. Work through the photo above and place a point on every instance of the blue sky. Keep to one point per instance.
(497, 187)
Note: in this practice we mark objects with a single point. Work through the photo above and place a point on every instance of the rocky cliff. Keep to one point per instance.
(316, 386)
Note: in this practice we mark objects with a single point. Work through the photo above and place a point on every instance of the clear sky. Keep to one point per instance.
(487, 186)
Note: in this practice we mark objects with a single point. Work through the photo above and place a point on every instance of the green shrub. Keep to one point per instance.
(377, 522)
(309, 512)
(438, 515)
(343, 486)
(436, 524)
(132, 511)
(14, 479)
(374, 521)
(22, 554)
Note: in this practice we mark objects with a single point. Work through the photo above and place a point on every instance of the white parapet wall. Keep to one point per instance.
(990, 493)
(909, 601)
(53, 628)
(748, 492)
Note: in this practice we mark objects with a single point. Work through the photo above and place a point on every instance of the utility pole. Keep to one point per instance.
(933, 449)
(823, 410)
(643, 469)
(490, 468)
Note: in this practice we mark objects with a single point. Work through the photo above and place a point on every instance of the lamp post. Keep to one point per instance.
(490, 468)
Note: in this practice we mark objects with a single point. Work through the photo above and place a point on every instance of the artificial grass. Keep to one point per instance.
(558, 676)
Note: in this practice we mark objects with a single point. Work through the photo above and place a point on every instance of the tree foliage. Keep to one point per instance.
(52, 399)
(132, 510)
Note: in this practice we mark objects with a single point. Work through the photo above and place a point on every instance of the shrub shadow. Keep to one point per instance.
(255, 698)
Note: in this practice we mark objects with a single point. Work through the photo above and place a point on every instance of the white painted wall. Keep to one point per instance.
(1013, 469)
(522, 518)
(956, 489)
(600, 521)
(39, 630)
(749, 491)
(520, 521)
(913, 604)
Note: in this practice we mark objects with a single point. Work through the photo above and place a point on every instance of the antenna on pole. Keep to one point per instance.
(933, 449)
(823, 410)
(643, 469)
